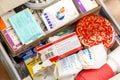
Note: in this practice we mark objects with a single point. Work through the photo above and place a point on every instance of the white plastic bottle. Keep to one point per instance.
(93, 57)
(114, 59)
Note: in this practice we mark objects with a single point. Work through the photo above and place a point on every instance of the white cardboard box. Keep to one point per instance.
(60, 48)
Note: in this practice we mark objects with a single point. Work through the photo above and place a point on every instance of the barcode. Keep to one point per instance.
(48, 55)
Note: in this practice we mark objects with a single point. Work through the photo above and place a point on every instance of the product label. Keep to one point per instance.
(60, 48)
(71, 64)
(93, 57)
(87, 57)
(48, 20)
(26, 26)
(31, 58)
(12, 38)
(59, 14)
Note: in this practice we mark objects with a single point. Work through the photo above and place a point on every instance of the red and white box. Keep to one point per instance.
(60, 48)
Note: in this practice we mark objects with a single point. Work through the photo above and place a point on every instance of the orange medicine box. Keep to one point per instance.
(2, 25)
